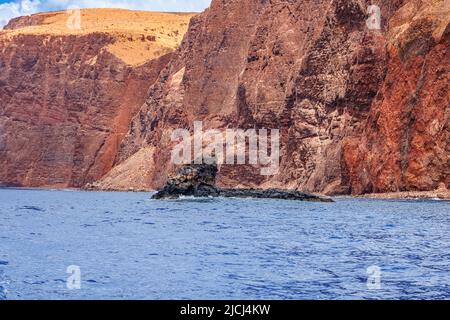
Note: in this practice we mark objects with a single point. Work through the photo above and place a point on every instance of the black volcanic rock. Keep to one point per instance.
(196, 180)
(272, 194)
(199, 180)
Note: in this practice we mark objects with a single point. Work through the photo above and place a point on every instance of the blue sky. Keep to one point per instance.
(13, 8)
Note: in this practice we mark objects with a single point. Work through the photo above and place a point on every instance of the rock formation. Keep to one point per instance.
(404, 144)
(359, 109)
(67, 95)
(199, 180)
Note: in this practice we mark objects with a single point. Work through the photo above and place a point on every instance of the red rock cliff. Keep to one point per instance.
(404, 145)
(359, 110)
(67, 96)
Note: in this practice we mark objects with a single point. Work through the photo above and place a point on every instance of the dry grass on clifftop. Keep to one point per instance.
(138, 36)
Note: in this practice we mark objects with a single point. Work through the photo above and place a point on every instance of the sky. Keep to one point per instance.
(13, 8)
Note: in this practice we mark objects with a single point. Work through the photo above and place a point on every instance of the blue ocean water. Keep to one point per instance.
(130, 247)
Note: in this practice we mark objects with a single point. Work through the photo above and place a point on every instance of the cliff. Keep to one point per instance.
(359, 110)
(68, 94)
(405, 140)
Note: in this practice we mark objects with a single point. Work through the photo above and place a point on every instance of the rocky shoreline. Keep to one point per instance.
(439, 194)
(199, 180)
(413, 195)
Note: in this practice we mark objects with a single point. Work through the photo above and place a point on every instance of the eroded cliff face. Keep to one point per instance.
(359, 110)
(67, 96)
(405, 144)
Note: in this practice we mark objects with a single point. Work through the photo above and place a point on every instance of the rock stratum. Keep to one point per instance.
(359, 110)
(67, 95)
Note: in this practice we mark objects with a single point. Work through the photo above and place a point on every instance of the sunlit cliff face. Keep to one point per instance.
(360, 101)
(70, 82)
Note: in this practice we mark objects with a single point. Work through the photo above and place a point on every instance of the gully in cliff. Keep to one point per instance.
(199, 180)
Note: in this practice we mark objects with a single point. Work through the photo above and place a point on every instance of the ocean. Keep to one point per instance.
(127, 246)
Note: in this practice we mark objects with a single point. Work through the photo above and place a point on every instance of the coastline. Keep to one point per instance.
(409, 195)
(440, 194)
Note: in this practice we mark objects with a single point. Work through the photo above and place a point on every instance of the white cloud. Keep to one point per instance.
(17, 8)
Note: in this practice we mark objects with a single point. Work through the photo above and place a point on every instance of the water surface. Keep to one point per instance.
(130, 247)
